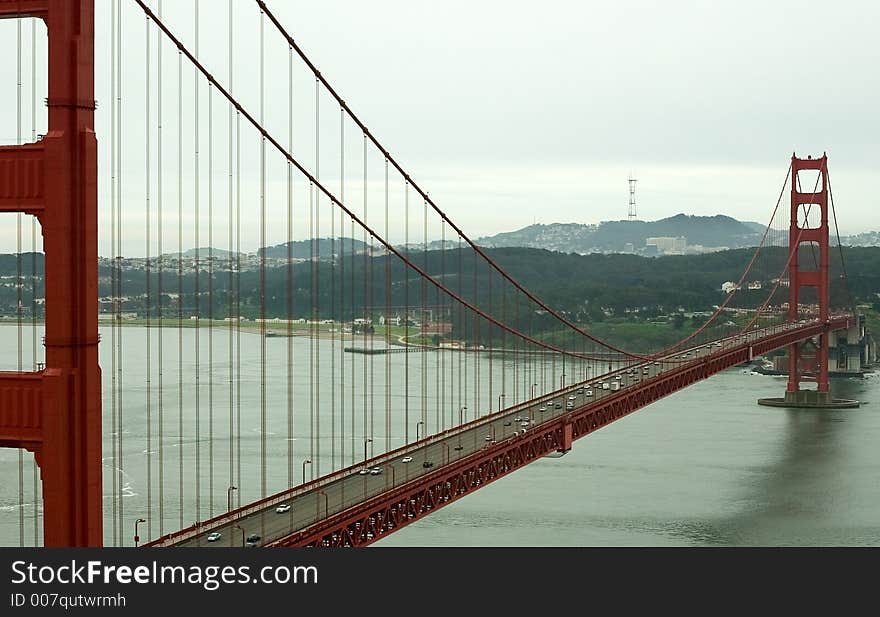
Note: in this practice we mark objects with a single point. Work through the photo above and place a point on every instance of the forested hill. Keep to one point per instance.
(582, 285)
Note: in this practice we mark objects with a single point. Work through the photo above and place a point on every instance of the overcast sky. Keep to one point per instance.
(542, 108)
(512, 112)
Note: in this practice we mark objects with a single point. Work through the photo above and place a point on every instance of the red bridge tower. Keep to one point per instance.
(808, 360)
(56, 413)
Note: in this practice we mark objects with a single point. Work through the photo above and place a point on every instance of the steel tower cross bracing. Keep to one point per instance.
(56, 412)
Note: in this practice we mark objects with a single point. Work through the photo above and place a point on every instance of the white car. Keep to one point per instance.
(285, 507)
(572, 397)
(543, 408)
(524, 423)
(214, 536)
(406, 459)
(375, 471)
(363, 472)
(588, 393)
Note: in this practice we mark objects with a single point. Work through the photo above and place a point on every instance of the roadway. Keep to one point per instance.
(349, 489)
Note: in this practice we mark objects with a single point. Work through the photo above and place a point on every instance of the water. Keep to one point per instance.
(706, 466)
(703, 467)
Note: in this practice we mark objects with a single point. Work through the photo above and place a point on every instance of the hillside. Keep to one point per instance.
(324, 248)
(703, 232)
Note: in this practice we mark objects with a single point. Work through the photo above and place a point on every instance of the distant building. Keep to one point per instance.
(438, 327)
(729, 287)
(668, 245)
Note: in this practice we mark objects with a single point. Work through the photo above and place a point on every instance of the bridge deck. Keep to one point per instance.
(323, 509)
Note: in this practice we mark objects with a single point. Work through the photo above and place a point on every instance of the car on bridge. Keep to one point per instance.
(427, 464)
(252, 540)
(214, 536)
(406, 459)
(284, 507)
(375, 471)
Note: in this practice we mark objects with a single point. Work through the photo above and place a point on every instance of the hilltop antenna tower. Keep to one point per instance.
(632, 198)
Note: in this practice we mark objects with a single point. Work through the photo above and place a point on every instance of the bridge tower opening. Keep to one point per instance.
(808, 360)
(56, 412)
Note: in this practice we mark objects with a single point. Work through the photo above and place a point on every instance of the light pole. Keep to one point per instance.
(137, 538)
(239, 527)
(393, 476)
(534, 385)
(229, 497)
(500, 397)
(366, 441)
(461, 415)
(446, 445)
(326, 504)
(308, 461)
(418, 424)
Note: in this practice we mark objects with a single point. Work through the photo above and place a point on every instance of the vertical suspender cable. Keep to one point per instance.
(406, 318)
(491, 345)
(442, 399)
(230, 283)
(368, 303)
(197, 266)
(180, 490)
(313, 267)
(438, 354)
(264, 429)
(461, 335)
(353, 313)
(478, 358)
(114, 297)
(35, 350)
(317, 298)
(342, 312)
(118, 266)
(423, 321)
(211, 300)
(159, 289)
(147, 308)
(387, 260)
(237, 305)
(332, 380)
(290, 427)
(371, 362)
(18, 284)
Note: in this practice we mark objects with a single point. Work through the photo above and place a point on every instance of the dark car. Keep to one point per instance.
(253, 540)
(427, 464)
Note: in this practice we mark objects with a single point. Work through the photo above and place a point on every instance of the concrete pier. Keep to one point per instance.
(809, 399)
